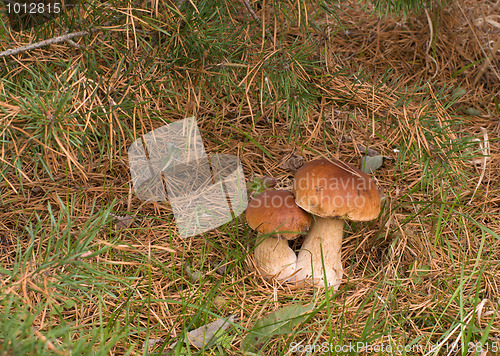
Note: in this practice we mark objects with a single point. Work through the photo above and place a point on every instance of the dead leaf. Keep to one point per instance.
(293, 163)
(124, 221)
(488, 19)
(279, 322)
(151, 343)
(367, 150)
(193, 274)
(205, 334)
(472, 111)
(269, 182)
(36, 190)
(371, 164)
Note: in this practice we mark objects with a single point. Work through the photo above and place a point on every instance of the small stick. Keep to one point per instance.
(254, 15)
(429, 44)
(48, 42)
(72, 43)
(485, 147)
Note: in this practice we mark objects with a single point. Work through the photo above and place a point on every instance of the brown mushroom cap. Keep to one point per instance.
(275, 211)
(336, 189)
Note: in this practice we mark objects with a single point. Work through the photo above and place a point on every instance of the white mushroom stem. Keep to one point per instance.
(322, 247)
(274, 258)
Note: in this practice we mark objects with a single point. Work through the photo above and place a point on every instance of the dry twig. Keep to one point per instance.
(254, 15)
(429, 44)
(13, 51)
(485, 147)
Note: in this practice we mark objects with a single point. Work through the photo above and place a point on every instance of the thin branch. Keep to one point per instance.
(250, 10)
(429, 44)
(254, 15)
(48, 42)
(485, 147)
(73, 43)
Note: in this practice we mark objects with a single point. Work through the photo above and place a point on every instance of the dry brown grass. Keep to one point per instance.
(407, 264)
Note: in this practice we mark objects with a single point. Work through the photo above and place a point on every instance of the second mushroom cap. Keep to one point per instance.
(275, 212)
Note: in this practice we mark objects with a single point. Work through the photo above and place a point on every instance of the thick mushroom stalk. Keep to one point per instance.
(332, 191)
(274, 258)
(320, 256)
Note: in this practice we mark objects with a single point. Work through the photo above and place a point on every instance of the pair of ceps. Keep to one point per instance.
(325, 193)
